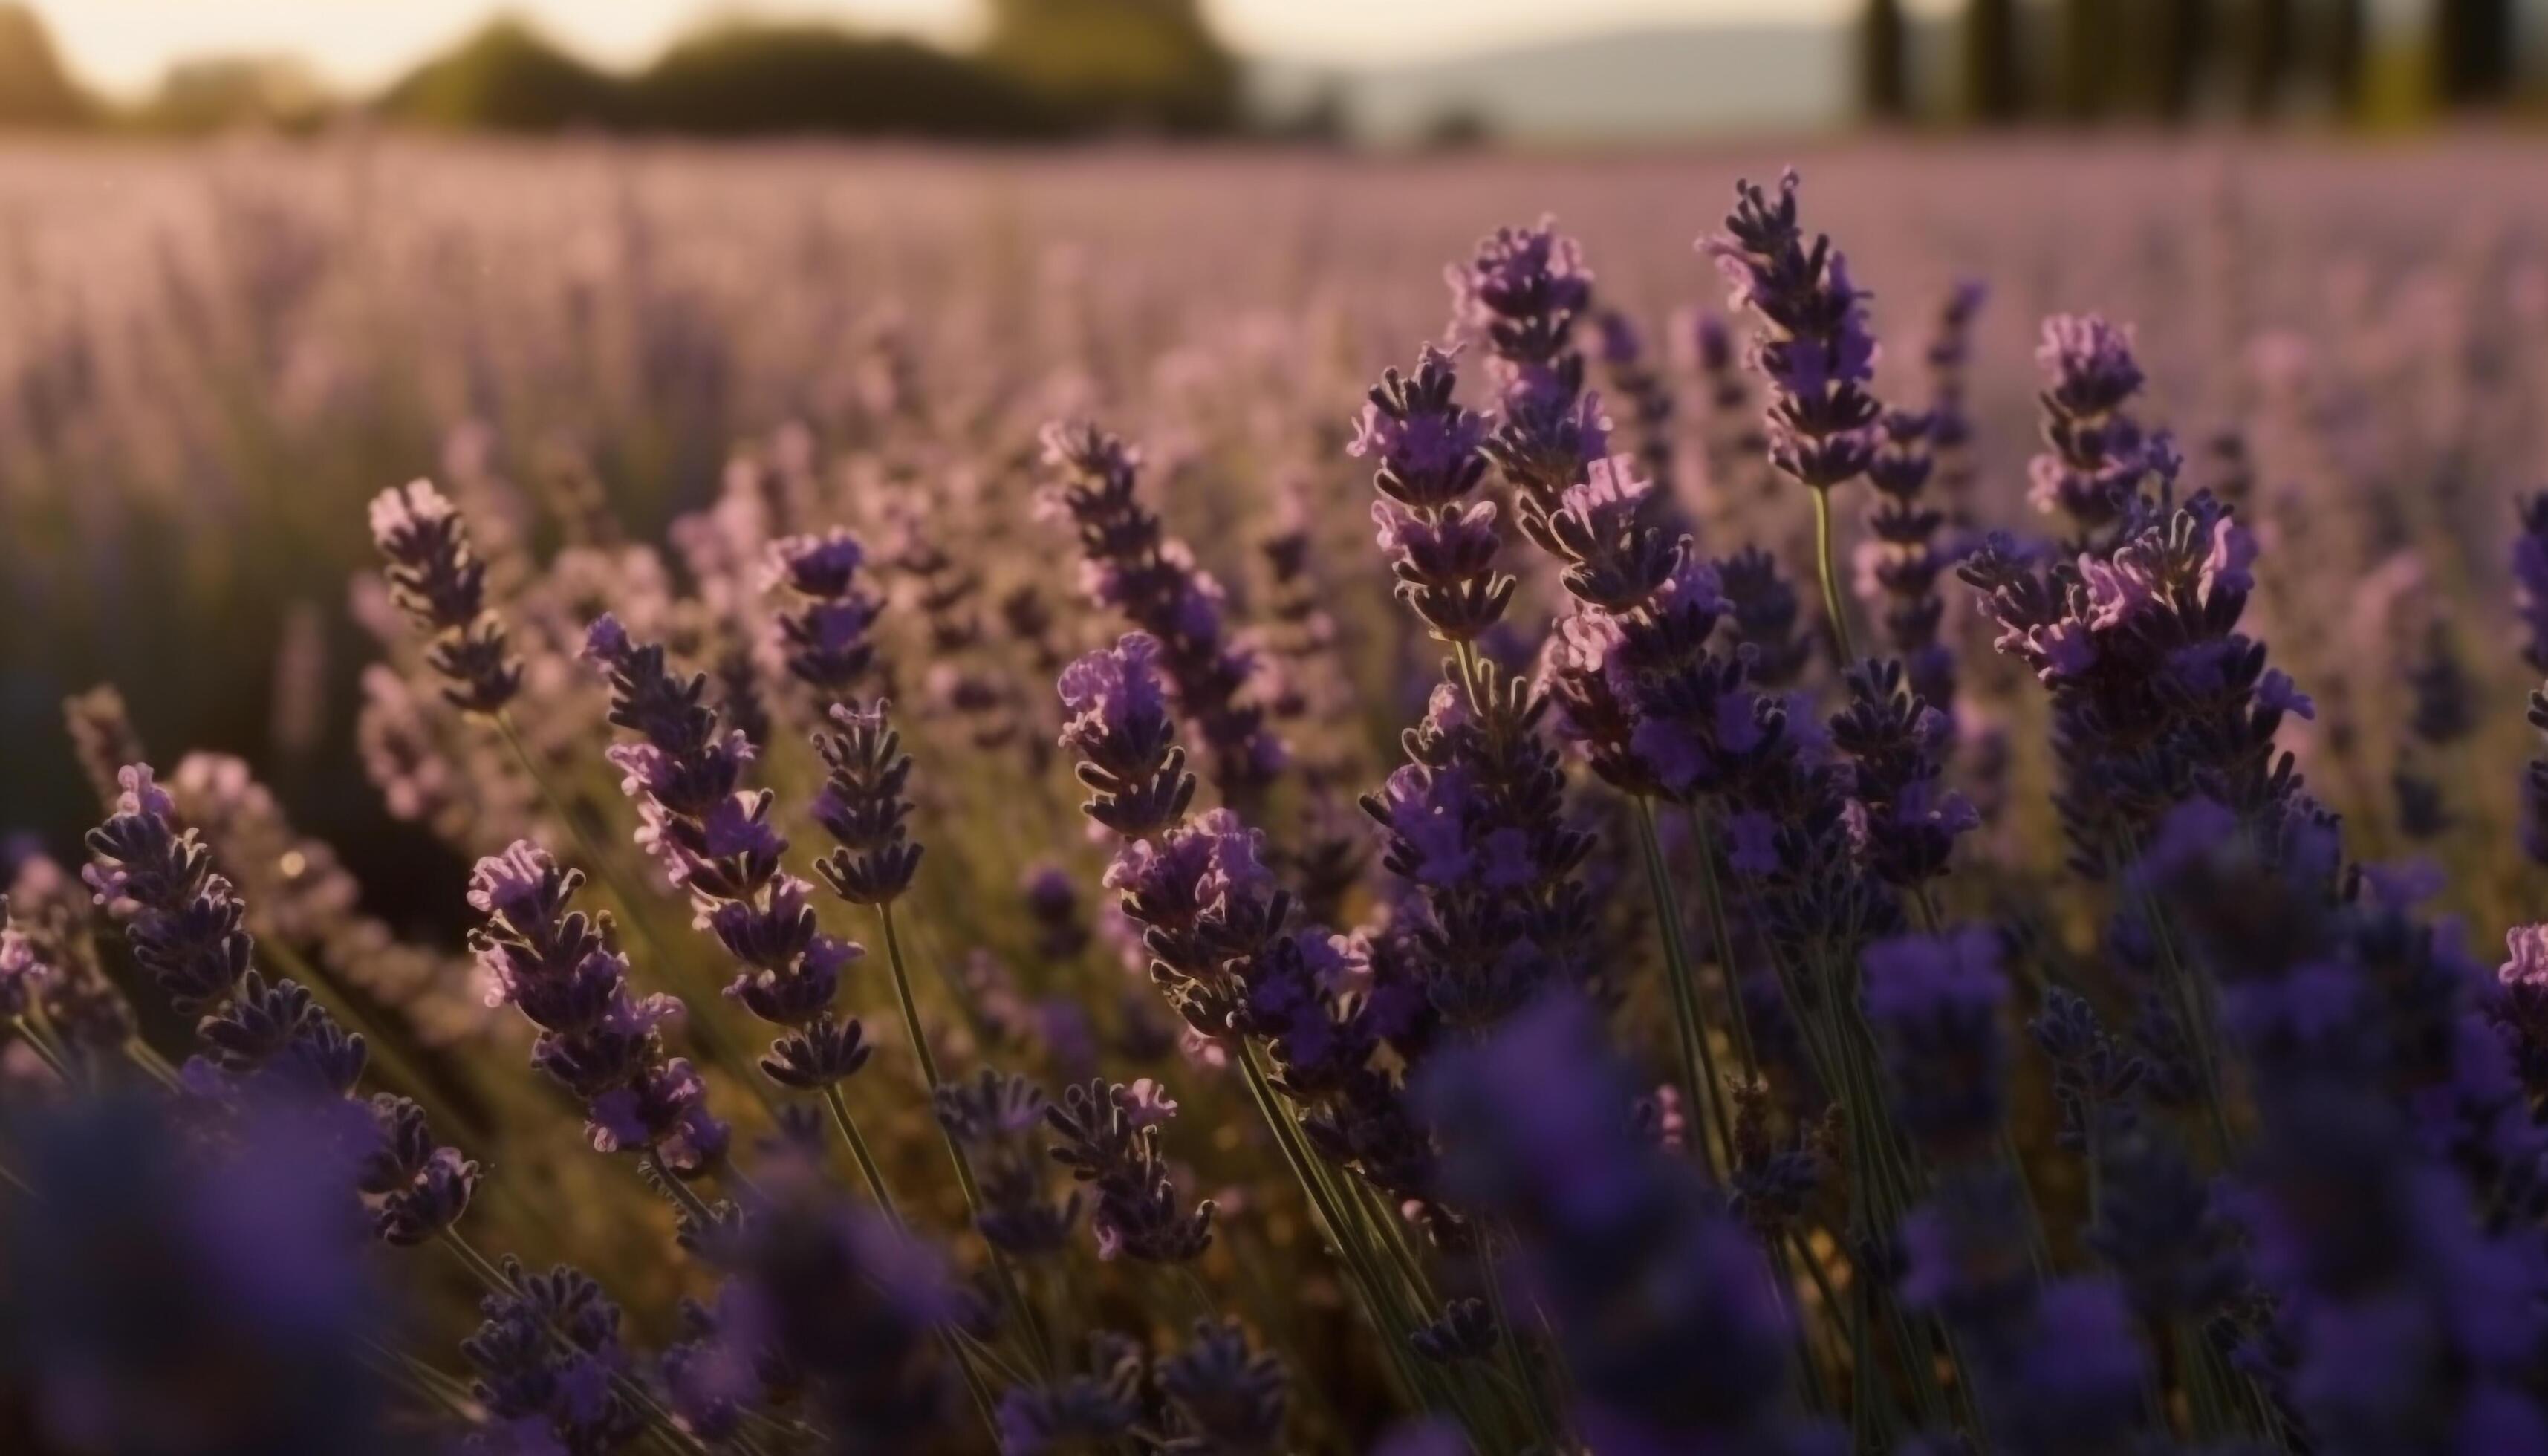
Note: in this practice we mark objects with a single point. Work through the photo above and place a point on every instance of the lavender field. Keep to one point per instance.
(792, 800)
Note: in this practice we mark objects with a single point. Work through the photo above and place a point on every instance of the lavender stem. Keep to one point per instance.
(1835, 605)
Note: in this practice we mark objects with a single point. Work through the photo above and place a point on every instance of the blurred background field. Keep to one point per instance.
(216, 353)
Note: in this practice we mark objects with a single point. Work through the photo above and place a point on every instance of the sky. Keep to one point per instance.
(125, 46)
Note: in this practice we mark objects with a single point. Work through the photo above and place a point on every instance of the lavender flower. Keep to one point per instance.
(992, 1117)
(1133, 567)
(1634, 378)
(1109, 1142)
(2534, 780)
(1052, 902)
(849, 1305)
(1081, 1413)
(183, 921)
(442, 585)
(1228, 1400)
(263, 1041)
(172, 1293)
(1736, 447)
(50, 962)
(711, 836)
(1903, 824)
(2379, 1085)
(1950, 428)
(1119, 726)
(1441, 544)
(2156, 695)
(1476, 826)
(1765, 611)
(824, 637)
(862, 808)
(2101, 458)
(1898, 570)
(564, 971)
(549, 1361)
(2530, 579)
(1815, 350)
(1522, 292)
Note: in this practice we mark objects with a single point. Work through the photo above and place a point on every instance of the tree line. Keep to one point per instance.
(1045, 68)
(2084, 60)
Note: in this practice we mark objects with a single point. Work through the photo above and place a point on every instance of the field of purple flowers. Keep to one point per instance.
(779, 800)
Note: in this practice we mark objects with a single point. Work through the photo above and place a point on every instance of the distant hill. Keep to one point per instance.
(1626, 86)
(506, 78)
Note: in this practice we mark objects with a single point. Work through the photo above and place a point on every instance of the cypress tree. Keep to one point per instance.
(1883, 62)
(1992, 93)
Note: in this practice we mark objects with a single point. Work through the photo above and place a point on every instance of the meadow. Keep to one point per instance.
(788, 798)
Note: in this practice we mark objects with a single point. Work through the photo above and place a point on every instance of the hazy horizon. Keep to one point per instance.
(126, 47)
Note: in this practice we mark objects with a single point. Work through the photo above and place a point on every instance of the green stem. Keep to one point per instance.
(1712, 902)
(44, 1051)
(870, 1170)
(1039, 1343)
(1534, 1400)
(1358, 1267)
(147, 1058)
(1833, 604)
(683, 1194)
(1697, 1063)
(863, 1155)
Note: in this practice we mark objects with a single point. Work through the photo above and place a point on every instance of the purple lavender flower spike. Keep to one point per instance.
(2101, 459)
(550, 1363)
(1083, 1412)
(1899, 566)
(824, 637)
(1902, 820)
(2530, 579)
(564, 971)
(1522, 292)
(993, 1117)
(1226, 1397)
(862, 808)
(1815, 350)
(2158, 696)
(1133, 568)
(51, 960)
(1120, 727)
(439, 583)
(1632, 373)
(264, 1041)
(1137, 1212)
(1429, 461)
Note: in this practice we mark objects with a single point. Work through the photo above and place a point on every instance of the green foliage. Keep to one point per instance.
(35, 89)
(1143, 65)
(1051, 67)
(506, 78)
(196, 97)
(750, 80)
